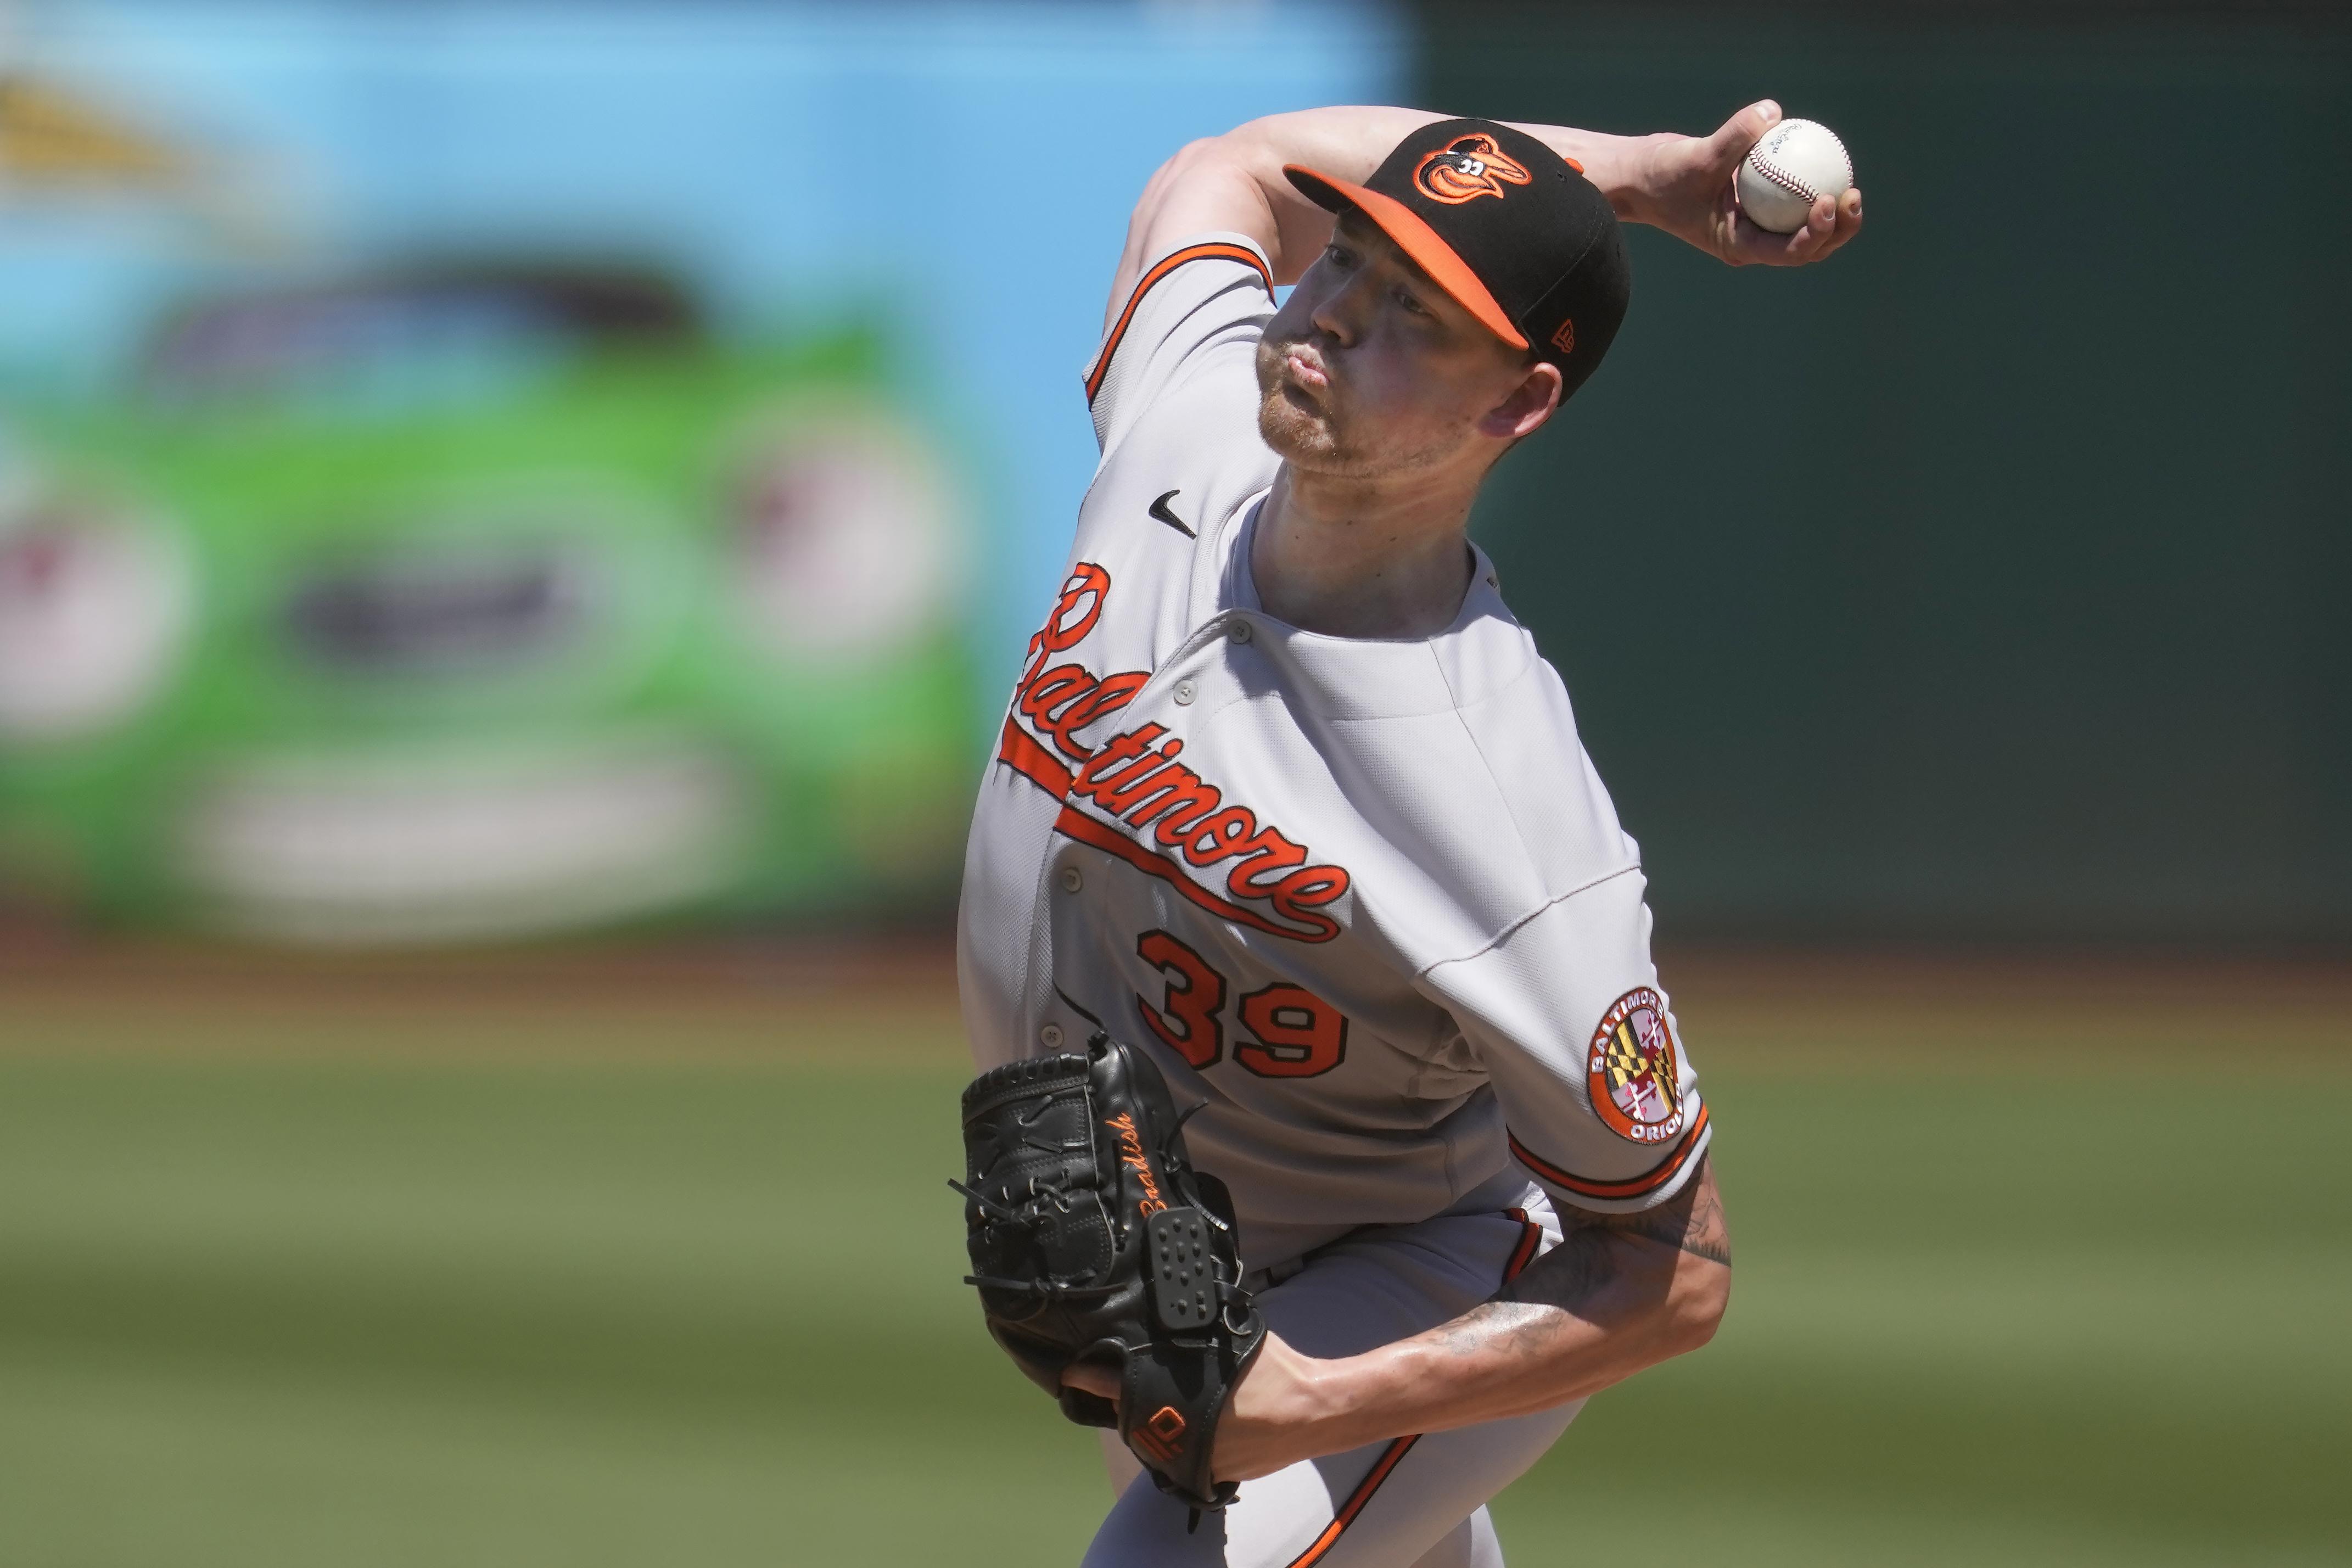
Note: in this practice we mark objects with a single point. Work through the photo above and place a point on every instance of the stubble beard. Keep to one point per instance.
(1317, 437)
(1306, 437)
(1306, 440)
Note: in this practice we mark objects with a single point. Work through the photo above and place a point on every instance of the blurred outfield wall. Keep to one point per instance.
(1985, 583)
(483, 469)
(1991, 580)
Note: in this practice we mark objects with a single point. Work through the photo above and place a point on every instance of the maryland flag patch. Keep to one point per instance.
(1635, 1072)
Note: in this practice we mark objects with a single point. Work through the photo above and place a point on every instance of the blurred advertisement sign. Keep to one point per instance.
(478, 472)
(480, 602)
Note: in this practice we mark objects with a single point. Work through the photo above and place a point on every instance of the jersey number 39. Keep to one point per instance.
(1287, 1030)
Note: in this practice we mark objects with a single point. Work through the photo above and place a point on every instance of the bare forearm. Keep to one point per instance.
(1682, 184)
(1235, 181)
(1592, 1312)
(1350, 143)
(1621, 1292)
(1621, 168)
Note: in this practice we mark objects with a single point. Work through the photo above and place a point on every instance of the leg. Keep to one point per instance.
(1470, 1544)
(1390, 1504)
(1123, 1467)
(1394, 1505)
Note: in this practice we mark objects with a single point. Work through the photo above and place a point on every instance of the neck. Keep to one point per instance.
(1363, 558)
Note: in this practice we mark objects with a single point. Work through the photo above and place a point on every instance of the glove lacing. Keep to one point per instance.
(1049, 1292)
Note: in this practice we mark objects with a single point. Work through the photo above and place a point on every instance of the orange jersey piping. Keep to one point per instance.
(1522, 1254)
(1355, 1503)
(1648, 1182)
(1530, 1237)
(1215, 249)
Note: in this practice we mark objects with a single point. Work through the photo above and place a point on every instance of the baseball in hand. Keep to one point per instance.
(1797, 161)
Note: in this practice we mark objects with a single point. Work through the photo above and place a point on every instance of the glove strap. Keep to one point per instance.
(1161, 1382)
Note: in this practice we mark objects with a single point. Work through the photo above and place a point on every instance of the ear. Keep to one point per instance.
(1528, 405)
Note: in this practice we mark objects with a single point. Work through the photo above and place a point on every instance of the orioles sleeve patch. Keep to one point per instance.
(1635, 1072)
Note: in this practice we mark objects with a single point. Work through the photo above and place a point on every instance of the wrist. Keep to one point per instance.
(1630, 176)
(1621, 168)
(1354, 1400)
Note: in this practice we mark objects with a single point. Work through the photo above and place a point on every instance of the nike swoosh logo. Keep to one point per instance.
(1160, 510)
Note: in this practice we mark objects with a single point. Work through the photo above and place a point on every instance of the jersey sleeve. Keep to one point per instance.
(1564, 1013)
(1207, 300)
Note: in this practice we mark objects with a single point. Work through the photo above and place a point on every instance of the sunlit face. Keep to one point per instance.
(1369, 368)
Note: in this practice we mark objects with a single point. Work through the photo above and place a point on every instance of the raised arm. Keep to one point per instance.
(1234, 183)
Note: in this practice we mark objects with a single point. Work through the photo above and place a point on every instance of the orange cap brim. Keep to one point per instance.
(1416, 239)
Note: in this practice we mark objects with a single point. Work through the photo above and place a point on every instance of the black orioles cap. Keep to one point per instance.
(1508, 227)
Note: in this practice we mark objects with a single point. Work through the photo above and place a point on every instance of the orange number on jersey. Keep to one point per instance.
(1302, 1034)
(1186, 1021)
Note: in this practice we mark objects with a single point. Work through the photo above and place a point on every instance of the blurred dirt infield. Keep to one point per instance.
(891, 997)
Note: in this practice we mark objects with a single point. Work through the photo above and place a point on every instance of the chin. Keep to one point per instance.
(1299, 438)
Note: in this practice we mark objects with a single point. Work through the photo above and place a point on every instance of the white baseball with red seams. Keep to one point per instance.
(1796, 162)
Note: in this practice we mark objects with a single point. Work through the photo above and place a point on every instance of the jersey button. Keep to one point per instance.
(1184, 694)
(1238, 631)
(1071, 881)
(1050, 1036)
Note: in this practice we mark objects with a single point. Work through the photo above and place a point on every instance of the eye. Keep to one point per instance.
(1412, 306)
(1338, 254)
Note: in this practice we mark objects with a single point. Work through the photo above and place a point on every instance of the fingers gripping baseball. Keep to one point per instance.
(1694, 197)
(1738, 134)
(1795, 192)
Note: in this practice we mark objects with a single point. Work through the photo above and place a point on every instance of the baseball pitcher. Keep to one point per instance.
(1335, 1139)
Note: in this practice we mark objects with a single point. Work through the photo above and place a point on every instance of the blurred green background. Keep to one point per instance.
(2048, 1266)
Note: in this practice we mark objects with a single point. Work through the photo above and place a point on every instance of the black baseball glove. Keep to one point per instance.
(1093, 1239)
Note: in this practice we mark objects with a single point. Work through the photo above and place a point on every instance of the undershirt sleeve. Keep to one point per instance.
(1564, 1013)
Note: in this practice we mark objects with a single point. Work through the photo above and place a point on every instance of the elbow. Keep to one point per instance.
(1699, 1307)
(1229, 151)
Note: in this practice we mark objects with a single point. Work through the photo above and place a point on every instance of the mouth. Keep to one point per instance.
(1303, 370)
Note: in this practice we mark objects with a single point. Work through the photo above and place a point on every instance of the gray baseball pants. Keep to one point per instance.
(1414, 1502)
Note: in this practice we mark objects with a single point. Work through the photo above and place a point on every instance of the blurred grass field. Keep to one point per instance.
(405, 1271)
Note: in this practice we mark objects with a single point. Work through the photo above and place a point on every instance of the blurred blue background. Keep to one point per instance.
(480, 270)
(790, 163)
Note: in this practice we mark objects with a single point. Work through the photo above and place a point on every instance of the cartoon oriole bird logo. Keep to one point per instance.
(1464, 169)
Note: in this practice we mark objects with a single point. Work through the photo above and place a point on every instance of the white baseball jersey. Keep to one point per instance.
(1366, 900)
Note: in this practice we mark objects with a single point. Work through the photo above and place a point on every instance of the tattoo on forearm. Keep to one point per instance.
(1521, 1325)
(1584, 1262)
(1591, 1258)
(1693, 1221)
(1707, 1237)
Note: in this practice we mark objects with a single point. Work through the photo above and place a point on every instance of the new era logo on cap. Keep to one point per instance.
(1505, 225)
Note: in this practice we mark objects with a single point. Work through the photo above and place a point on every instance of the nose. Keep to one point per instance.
(1340, 313)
